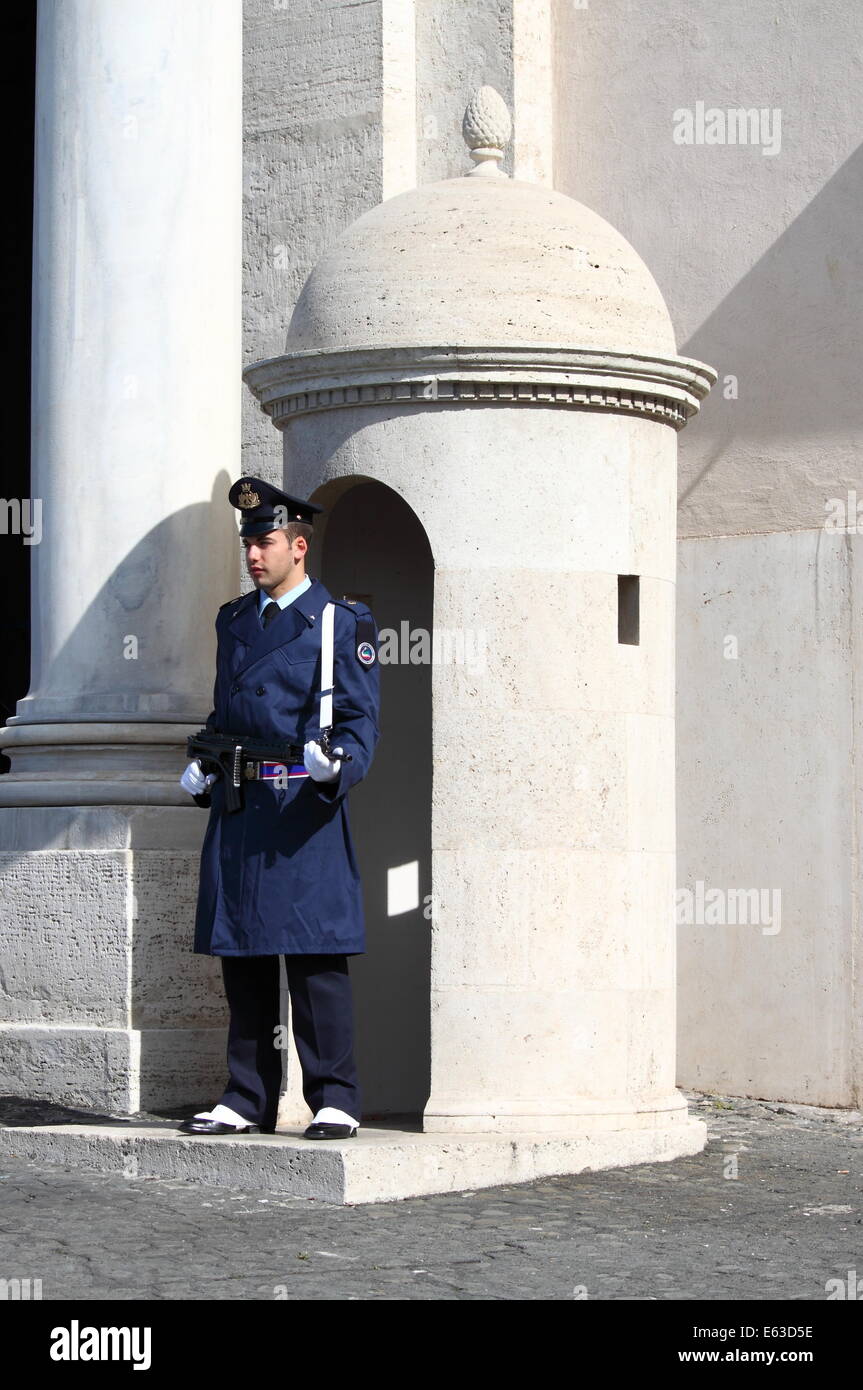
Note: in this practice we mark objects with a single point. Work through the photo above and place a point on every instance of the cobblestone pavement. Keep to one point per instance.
(787, 1223)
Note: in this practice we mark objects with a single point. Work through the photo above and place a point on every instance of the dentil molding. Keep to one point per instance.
(668, 389)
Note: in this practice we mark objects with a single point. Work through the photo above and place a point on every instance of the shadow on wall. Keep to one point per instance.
(375, 549)
(791, 332)
(144, 647)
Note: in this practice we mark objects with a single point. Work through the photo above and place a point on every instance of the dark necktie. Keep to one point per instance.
(271, 611)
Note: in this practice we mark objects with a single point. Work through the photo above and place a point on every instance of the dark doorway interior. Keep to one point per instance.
(375, 549)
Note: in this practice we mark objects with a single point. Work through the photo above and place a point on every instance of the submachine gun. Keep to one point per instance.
(229, 754)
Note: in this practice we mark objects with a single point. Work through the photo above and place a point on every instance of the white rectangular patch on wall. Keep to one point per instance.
(403, 888)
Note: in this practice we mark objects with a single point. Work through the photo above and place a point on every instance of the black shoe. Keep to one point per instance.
(324, 1130)
(194, 1126)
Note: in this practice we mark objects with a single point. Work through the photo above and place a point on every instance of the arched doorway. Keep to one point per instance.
(375, 549)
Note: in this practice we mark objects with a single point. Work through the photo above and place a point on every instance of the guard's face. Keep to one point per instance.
(272, 558)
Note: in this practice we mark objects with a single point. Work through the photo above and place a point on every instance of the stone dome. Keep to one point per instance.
(481, 262)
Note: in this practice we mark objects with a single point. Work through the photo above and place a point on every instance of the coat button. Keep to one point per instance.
(234, 689)
(261, 690)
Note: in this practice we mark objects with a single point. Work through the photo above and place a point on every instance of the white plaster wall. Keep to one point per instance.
(758, 256)
(759, 259)
(768, 798)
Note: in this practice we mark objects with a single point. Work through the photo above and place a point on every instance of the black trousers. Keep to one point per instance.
(322, 1024)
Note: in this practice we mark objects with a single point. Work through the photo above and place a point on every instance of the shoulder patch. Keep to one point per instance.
(366, 653)
(366, 648)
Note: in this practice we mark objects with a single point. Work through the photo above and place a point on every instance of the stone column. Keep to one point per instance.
(136, 393)
(136, 406)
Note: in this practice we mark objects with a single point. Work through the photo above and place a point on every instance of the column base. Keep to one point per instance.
(104, 1002)
(95, 764)
(572, 1118)
(119, 1070)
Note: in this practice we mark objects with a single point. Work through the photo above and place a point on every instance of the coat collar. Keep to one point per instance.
(312, 603)
(303, 613)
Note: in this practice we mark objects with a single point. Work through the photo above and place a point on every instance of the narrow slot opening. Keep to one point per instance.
(628, 609)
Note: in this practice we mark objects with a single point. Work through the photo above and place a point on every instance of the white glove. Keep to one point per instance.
(193, 780)
(318, 765)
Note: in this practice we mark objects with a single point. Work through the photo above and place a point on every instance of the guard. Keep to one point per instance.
(278, 870)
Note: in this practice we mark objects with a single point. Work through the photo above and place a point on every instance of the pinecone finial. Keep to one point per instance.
(487, 127)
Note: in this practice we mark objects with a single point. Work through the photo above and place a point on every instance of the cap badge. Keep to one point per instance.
(366, 653)
(248, 497)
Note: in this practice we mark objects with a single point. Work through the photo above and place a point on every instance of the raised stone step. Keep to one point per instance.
(377, 1165)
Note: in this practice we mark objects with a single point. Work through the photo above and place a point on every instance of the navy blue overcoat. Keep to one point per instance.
(279, 877)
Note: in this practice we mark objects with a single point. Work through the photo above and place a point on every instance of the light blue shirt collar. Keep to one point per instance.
(264, 598)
